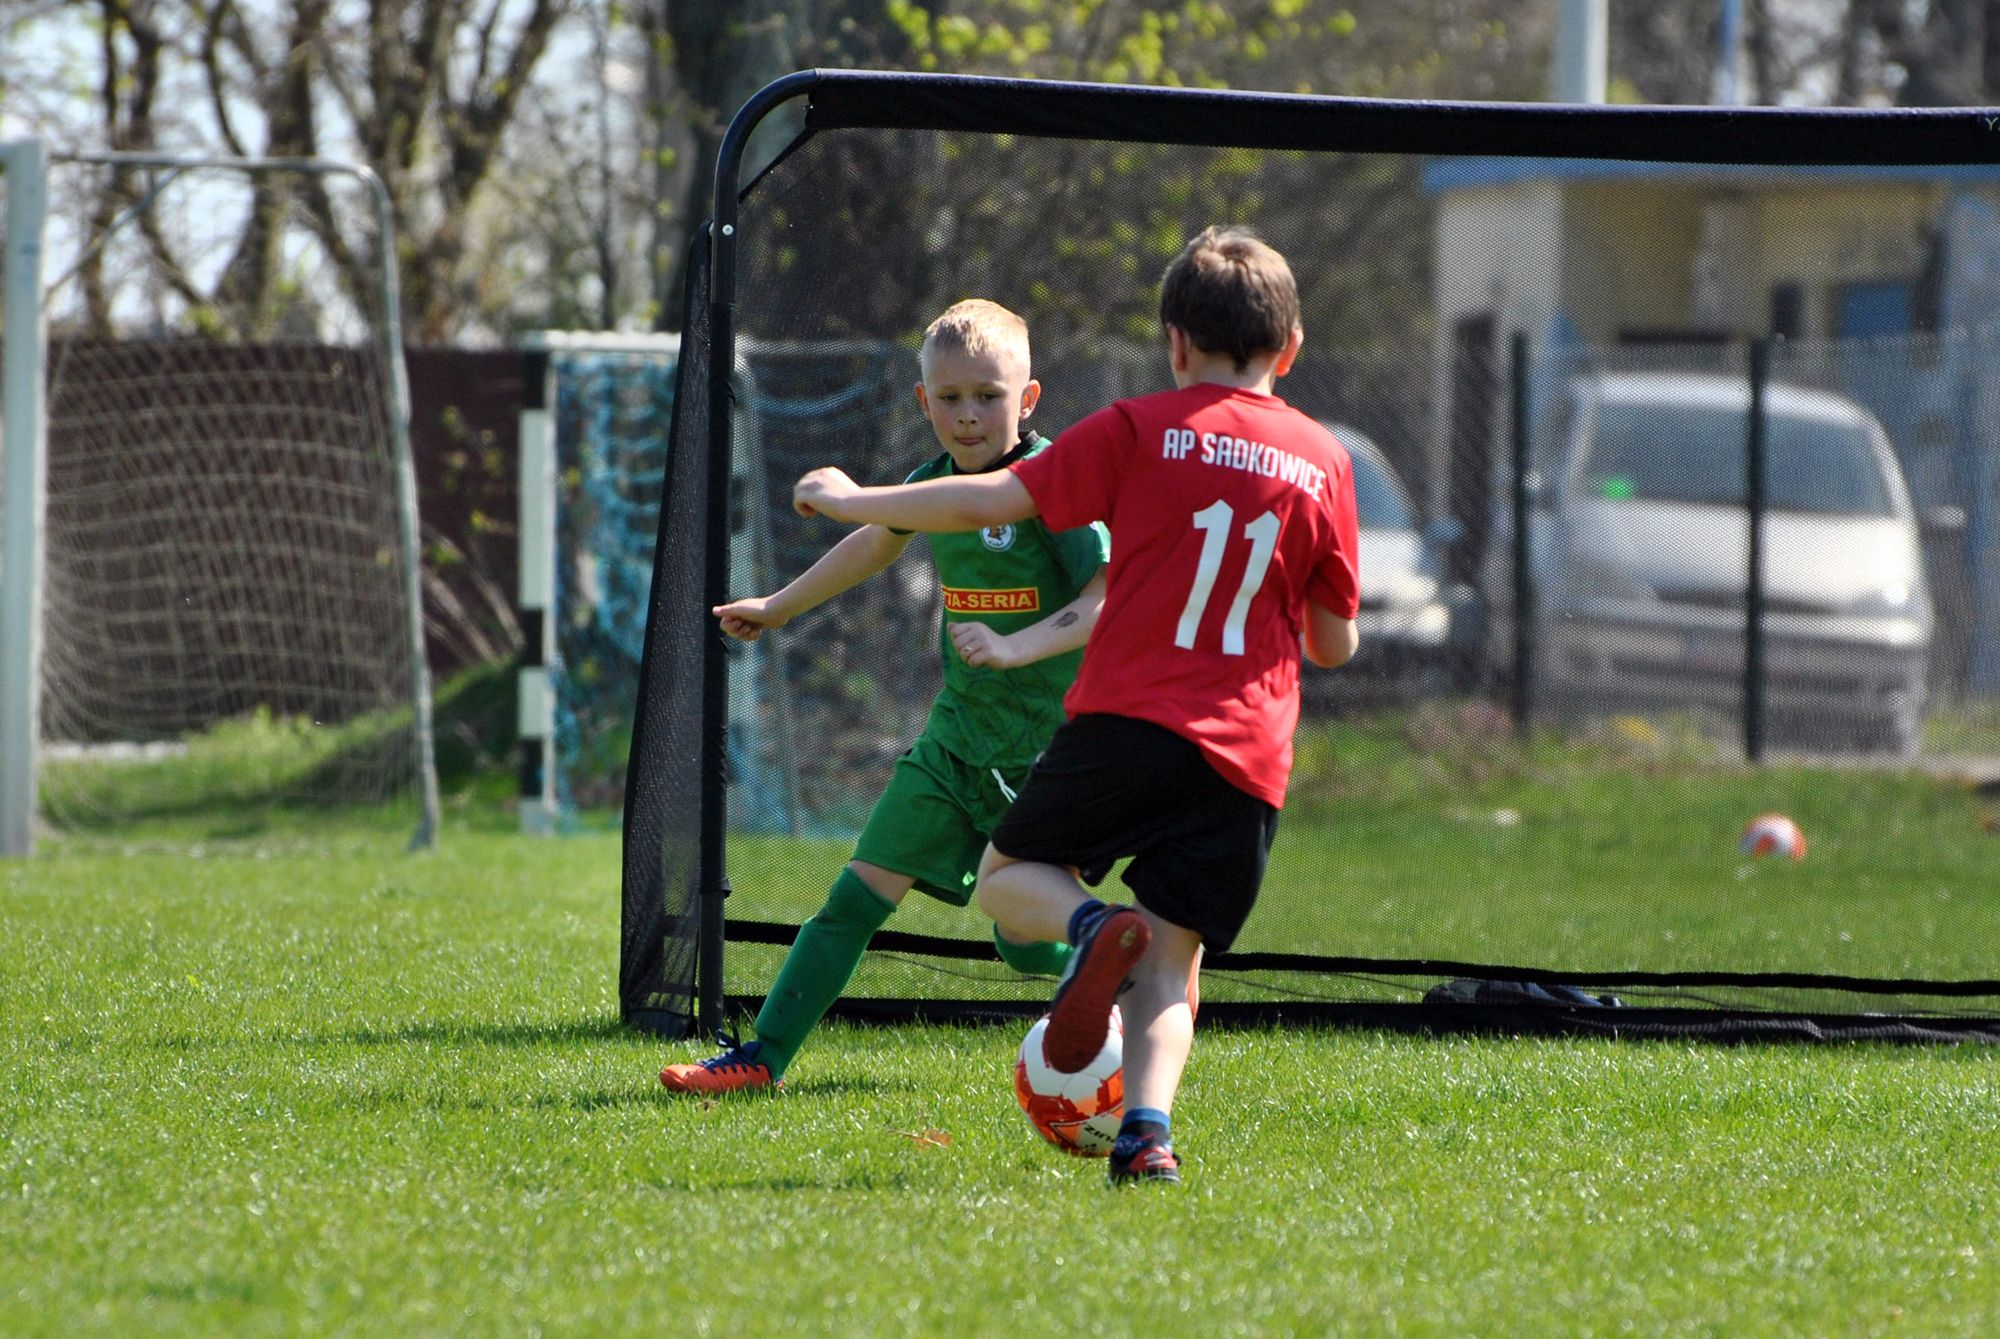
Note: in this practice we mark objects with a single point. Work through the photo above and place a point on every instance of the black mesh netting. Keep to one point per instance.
(1405, 859)
(664, 865)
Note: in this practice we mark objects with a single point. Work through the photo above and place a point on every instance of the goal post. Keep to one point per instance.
(232, 625)
(592, 447)
(23, 351)
(593, 430)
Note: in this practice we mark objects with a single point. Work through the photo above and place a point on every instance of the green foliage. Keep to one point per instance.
(476, 721)
(1437, 48)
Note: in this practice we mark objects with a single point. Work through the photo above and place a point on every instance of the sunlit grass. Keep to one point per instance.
(258, 1086)
(288, 1095)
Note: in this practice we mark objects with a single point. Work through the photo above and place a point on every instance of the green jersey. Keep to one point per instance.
(1007, 577)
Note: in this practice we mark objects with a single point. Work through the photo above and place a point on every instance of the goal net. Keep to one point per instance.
(231, 642)
(1673, 433)
(608, 422)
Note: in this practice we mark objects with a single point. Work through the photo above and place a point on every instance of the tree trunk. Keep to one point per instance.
(719, 56)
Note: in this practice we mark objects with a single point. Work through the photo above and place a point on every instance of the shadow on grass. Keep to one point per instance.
(793, 1091)
(395, 1098)
(856, 1182)
(561, 1032)
(558, 1032)
(603, 1099)
(836, 1088)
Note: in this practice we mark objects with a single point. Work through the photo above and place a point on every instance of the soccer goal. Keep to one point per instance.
(213, 587)
(1633, 389)
(594, 431)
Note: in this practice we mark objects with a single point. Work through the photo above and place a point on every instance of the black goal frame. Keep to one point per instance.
(675, 877)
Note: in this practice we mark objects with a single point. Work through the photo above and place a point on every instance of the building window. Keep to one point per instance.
(1861, 311)
(1788, 310)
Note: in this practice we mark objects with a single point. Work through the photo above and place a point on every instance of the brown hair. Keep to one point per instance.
(1230, 292)
(978, 327)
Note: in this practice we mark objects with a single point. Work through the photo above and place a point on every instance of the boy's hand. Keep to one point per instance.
(823, 493)
(978, 645)
(745, 620)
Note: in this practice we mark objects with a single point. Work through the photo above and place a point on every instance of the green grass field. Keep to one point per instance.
(291, 1089)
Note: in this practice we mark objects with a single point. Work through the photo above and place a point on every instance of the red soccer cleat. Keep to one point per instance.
(1080, 1014)
(736, 1070)
(1135, 1159)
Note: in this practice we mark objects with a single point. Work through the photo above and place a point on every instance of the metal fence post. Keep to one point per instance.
(1520, 504)
(1756, 449)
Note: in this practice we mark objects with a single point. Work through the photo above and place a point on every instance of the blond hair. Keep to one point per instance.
(979, 328)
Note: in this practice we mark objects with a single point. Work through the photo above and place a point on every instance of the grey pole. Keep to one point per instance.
(24, 444)
(1520, 503)
(1753, 599)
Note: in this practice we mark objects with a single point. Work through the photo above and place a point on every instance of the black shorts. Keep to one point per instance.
(1108, 787)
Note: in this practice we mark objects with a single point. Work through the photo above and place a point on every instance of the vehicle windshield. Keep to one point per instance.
(1378, 498)
(1695, 453)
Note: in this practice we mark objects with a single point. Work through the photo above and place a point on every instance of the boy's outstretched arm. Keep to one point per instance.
(1064, 630)
(961, 502)
(844, 566)
(1330, 640)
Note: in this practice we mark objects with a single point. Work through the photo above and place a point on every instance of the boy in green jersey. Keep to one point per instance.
(1019, 603)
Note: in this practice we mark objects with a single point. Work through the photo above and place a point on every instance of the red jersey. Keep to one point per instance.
(1228, 510)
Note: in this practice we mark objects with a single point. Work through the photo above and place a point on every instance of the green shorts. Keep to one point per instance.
(933, 819)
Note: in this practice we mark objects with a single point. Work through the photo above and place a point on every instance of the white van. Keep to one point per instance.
(1639, 548)
(1410, 614)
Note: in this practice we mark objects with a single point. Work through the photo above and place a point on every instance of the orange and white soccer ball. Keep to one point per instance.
(1773, 834)
(1079, 1113)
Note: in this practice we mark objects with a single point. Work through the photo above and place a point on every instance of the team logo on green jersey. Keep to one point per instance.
(998, 538)
(1019, 600)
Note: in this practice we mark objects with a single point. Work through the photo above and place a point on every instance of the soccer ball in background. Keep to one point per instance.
(1079, 1113)
(1773, 834)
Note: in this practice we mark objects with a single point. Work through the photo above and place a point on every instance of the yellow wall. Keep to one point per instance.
(1857, 234)
(1630, 249)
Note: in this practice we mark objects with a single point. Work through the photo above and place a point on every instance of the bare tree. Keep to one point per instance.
(423, 91)
(708, 61)
(1943, 53)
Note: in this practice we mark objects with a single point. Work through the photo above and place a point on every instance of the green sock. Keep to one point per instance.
(817, 968)
(1041, 957)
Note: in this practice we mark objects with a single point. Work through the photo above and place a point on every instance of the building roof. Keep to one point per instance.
(1443, 175)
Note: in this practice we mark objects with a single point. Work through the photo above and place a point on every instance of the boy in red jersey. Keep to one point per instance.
(1233, 539)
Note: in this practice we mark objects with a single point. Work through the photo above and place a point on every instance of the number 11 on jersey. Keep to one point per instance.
(1216, 524)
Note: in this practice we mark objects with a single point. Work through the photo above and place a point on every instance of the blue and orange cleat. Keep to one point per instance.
(1142, 1157)
(736, 1070)
(1080, 1014)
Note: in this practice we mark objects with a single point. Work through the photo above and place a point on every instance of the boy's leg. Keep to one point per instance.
(1036, 957)
(1194, 889)
(823, 957)
(1030, 898)
(1159, 1022)
(1105, 787)
(816, 969)
(1030, 955)
(1159, 1033)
